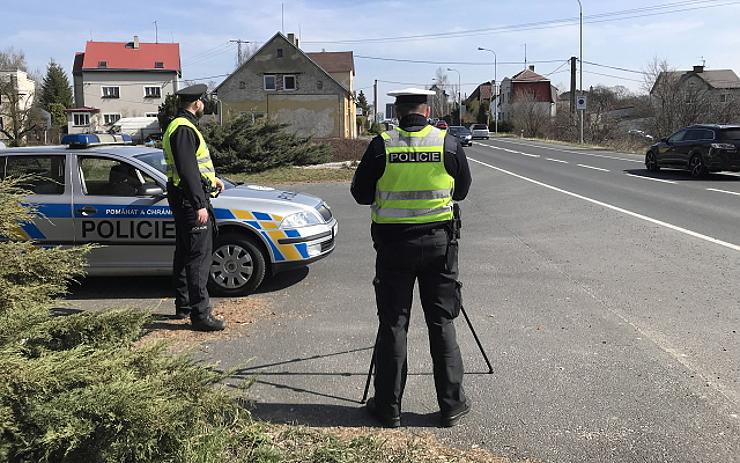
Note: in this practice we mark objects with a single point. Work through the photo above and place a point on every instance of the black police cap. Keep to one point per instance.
(192, 93)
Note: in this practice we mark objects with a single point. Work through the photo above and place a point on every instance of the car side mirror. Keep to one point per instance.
(664, 140)
(150, 189)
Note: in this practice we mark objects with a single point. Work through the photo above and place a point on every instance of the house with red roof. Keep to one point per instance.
(313, 93)
(526, 87)
(121, 79)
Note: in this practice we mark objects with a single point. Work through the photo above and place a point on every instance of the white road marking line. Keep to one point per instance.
(573, 152)
(592, 167)
(685, 231)
(724, 191)
(557, 160)
(530, 155)
(651, 178)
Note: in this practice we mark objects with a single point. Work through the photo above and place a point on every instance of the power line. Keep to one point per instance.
(557, 68)
(617, 68)
(464, 63)
(619, 15)
(612, 75)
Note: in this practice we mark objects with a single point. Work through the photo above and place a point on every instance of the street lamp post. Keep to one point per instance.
(580, 58)
(494, 89)
(459, 101)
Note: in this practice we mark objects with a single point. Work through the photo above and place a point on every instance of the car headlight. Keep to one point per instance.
(300, 219)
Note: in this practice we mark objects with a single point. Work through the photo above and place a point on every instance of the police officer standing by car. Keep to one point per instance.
(410, 177)
(191, 182)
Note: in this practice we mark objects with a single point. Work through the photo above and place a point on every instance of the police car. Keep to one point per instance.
(95, 189)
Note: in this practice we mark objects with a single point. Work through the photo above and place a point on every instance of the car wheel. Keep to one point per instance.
(696, 166)
(651, 162)
(238, 266)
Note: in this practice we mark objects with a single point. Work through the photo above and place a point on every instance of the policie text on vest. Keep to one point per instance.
(421, 156)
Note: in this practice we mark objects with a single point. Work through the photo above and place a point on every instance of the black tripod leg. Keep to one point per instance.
(475, 335)
(369, 373)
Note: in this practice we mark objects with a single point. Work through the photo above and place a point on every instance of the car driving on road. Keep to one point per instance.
(462, 133)
(479, 131)
(97, 191)
(698, 149)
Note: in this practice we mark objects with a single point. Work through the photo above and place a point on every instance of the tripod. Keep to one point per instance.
(472, 330)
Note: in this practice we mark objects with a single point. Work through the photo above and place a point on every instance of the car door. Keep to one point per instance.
(685, 148)
(113, 208)
(47, 178)
(667, 152)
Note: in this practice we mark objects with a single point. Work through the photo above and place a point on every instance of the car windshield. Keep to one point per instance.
(459, 130)
(156, 160)
(478, 127)
(731, 134)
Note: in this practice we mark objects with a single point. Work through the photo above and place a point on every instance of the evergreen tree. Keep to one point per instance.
(362, 103)
(167, 111)
(55, 90)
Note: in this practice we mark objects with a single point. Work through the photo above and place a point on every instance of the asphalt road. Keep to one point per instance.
(606, 297)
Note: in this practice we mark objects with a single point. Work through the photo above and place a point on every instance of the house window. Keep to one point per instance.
(270, 82)
(102, 64)
(111, 92)
(242, 85)
(279, 52)
(158, 65)
(152, 92)
(289, 83)
(111, 118)
(319, 84)
(723, 98)
(151, 114)
(80, 119)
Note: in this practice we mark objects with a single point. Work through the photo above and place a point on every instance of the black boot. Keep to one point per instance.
(208, 324)
(450, 419)
(388, 420)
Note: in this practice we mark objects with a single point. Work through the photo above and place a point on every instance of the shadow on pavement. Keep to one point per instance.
(321, 415)
(678, 175)
(159, 287)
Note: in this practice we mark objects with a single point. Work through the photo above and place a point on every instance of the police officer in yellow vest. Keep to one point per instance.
(191, 182)
(410, 176)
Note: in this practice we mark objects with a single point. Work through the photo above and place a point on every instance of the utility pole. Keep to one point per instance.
(239, 43)
(573, 86)
(580, 58)
(375, 101)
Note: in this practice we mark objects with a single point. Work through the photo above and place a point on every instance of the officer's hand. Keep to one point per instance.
(202, 216)
(219, 185)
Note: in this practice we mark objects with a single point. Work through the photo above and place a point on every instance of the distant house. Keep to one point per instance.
(311, 92)
(722, 85)
(121, 79)
(529, 86)
(25, 89)
(481, 94)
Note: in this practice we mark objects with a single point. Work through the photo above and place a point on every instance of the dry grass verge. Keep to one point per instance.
(290, 175)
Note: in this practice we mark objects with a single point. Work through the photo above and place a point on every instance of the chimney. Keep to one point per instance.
(531, 67)
(293, 39)
(698, 69)
(136, 42)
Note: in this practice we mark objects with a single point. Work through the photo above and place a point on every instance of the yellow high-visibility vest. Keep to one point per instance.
(415, 187)
(202, 155)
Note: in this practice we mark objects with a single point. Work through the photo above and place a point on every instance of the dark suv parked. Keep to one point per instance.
(698, 149)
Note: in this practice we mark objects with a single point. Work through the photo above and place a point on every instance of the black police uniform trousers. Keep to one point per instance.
(432, 260)
(193, 256)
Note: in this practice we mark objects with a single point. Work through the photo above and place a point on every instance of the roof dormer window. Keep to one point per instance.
(158, 65)
(102, 64)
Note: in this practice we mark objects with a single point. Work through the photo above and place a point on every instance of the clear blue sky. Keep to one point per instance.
(51, 29)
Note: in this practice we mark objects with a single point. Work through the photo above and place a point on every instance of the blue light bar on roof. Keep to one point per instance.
(83, 140)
